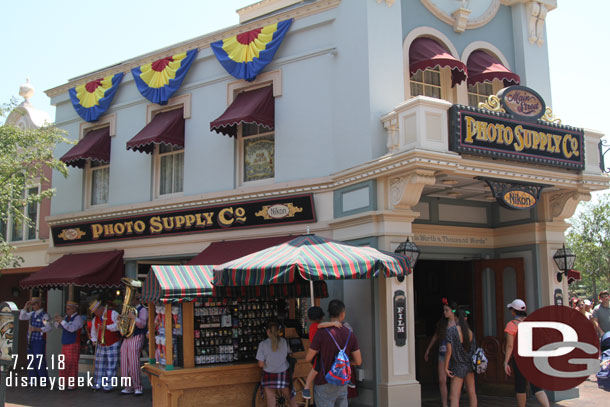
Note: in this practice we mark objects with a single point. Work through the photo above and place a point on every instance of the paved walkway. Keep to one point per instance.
(590, 395)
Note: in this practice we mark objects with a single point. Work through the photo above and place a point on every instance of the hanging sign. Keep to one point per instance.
(9, 330)
(514, 195)
(523, 103)
(400, 318)
(279, 211)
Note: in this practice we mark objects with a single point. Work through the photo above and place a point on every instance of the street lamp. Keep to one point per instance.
(564, 259)
(410, 250)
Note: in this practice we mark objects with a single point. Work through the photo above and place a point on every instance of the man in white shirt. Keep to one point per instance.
(71, 326)
(132, 346)
(37, 341)
(108, 344)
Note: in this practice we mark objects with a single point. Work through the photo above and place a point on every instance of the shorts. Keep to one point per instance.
(521, 382)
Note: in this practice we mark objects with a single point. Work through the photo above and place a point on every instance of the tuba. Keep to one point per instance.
(127, 325)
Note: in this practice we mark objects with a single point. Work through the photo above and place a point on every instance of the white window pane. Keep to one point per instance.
(165, 178)
(417, 89)
(178, 172)
(32, 214)
(100, 185)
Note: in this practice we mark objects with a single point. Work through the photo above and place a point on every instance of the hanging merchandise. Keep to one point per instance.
(159, 80)
(245, 55)
(92, 99)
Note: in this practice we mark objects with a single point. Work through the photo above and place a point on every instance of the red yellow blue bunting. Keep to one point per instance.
(92, 99)
(245, 55)
(159, 80)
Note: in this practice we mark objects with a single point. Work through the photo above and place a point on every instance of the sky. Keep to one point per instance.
(53, 41)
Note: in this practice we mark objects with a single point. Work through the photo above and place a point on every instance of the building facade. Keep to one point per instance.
(365, 121)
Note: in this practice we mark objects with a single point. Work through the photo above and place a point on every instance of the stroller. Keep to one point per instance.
(603, 376)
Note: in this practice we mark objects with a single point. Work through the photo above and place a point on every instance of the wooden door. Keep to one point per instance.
(497, 283)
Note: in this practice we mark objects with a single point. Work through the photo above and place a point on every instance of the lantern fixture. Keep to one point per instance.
(564, 259)
(410, 250)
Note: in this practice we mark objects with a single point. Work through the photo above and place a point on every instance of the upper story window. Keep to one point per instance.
(98, 179)
(486, 76)
(256, 153)
(17, 230)
(169, 164)
(433, 70)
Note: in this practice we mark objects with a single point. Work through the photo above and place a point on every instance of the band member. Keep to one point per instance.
(132, 346)
(71, 326)
(105, 336)
(38, 327)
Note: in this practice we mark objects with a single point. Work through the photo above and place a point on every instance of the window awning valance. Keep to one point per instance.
(95, 146)
(101, 269)
(254, 107)
(483, 67)
(426, 53)
(165, 128)
(222, 252)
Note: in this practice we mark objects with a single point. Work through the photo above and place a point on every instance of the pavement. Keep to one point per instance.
(590, 395)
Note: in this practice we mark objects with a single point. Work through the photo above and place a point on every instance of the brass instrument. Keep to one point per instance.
(103, 338)
(128, 325)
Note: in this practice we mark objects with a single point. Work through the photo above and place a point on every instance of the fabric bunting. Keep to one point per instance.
(159, 80)
(245, 55)
(92, 99)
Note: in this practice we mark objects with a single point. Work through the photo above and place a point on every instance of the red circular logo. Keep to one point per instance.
(556, 348)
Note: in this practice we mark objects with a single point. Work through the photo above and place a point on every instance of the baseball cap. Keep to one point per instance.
(517, 305)
(587, 302)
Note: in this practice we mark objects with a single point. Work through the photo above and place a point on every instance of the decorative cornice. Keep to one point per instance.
(387, 2)
(455, 20)
(419, 165)
(563, 203)
(202, 42)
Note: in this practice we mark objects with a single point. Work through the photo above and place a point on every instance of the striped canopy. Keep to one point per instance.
(188, 283)
(177, 283)
(312, 258)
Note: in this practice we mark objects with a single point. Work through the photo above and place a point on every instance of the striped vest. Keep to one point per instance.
(68, 338)
(36, 322)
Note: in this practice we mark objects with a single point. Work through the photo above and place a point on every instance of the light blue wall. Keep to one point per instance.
(337, 81)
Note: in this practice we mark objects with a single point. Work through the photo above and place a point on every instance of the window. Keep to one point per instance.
(99, 178)
(170, 167)
(426, 83)
(257, 153)
(17, 230)
(479, 93)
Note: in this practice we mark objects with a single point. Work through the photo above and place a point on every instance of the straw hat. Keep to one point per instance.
(94, 305)
(71, 304)
(36, 299)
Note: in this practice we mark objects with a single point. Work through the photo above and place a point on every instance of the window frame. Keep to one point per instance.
(8, 232)
(496, 86)
(240, 157)
(89, 170)
(157, 155)
(447, 91)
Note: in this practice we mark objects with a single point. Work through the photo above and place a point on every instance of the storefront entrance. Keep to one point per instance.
(483, 287)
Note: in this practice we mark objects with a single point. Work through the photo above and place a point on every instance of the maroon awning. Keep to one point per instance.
(222, 252)
(482, 67)
(101, 269)
(95, 146)
(254, 107)
(426, 53)
(165, 128)
(573, 276)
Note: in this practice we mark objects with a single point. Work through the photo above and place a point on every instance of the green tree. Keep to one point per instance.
(23, 156)
(589, 238)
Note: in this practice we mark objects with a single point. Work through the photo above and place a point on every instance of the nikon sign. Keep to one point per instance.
(509, 136)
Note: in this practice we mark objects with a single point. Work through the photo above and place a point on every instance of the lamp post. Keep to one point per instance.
(564, 259)
(409, 250)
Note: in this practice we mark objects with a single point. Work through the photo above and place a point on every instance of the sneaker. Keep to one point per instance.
(126, 391)
(306, 394)
(351, 385)
(137, 393)
(96, 388)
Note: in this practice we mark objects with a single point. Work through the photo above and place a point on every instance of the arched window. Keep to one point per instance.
(434, 71)
(486, 76)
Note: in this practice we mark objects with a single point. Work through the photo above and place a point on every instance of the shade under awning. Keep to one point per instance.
(165, 128)
(222, 252)
(253, 107)
(483, 67)
(189, 283)
(95, 146)
(426, 53)
(101, 269)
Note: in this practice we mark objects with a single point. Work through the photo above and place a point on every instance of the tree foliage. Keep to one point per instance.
(24, 154)
(589, 238)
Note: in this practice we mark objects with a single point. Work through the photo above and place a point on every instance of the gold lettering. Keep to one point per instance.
(500, 131)
(139, 226)
(470, 129)
(535, 140)
(223, 220)
(96, 230)
(180, 221)
(108, 230)
(119, 229)
(128, 225)
(542, 141)
(168, 223)
(155, 225)
(209, 217)
(557, 140)
(200, 222)
(508, 135)
(519, 146)
(566, 153)
(491, 133)
(482, 131)
(527, 139)
(190, 219)
(574, 143)
(240, 215)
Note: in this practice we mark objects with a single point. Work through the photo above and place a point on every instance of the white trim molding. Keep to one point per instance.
(108, 120)
(484, 46)
(460, 18)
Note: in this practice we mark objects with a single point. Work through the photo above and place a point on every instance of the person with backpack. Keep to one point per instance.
(458, 360)
(517, 309)
(334, 346)
(271, 356)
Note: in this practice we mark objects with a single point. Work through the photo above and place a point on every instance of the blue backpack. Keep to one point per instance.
(340, 371)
